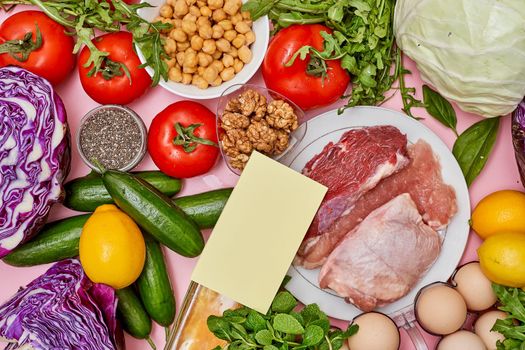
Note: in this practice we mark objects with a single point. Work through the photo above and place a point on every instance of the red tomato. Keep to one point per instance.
(53, 60)
(191, 153)
(307, 91)
(114, 89)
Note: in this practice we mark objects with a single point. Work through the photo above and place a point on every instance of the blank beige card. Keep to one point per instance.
(259, 232)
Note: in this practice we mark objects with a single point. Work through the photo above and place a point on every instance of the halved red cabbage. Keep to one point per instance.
(34, 154)
(518, 138)
(62, 309)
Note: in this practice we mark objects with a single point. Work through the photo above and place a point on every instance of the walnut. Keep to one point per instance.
(232, 120)
(262, 136)
(239, 161)
(281, 116)
(281, 144)
(252, 102)
(236, 142)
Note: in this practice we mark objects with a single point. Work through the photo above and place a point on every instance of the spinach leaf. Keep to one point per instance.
(438, 107)
(313, 335)
(264, 337)
(219, 327)
(284, 302)
(473, 147)
(287, 324)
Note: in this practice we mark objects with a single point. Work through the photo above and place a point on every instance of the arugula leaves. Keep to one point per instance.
(281, 328)
(513, 327)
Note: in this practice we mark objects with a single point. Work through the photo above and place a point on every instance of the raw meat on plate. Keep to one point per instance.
(382, 259)
(349, 168)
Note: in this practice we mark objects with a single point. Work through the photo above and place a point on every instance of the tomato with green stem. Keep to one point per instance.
(33, 41)
(182, 139)
(120, 79)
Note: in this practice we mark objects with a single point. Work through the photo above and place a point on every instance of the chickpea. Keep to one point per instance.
(180, 58)
(239, 41)
(178, 34)
(231, 7)
(203, 59)
(245, 54)
(215, 4)
(228, 74)
(166, 11)
(170, 62)
(196, 42)
(200, 70)
(206, 11)
(199, 82)
(181, 47)
(157, 19)
(203, 21)
(218, 32)
(209, 46)
(210, 74)
(190, 17)
(236, 19)
(205, 32)
(217, 82)
(227, 60)
(238, 65)
(194, 10)
(175, 74)
(234, 52)
(180, 8)
(191, 2)
(170, 2)
(223, 45)
(219, 15)
(246, 15)
(190, 59)
(189, 70)
(230, 35)
(201, 3)
(186, 78)
(250, 37)
(226, 24)
(216, 55)
(170, 46)
(176, 23)
(242, 27)
(218, 65)
(189, 27)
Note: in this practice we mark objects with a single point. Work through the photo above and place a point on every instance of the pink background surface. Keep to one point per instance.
(500, 173)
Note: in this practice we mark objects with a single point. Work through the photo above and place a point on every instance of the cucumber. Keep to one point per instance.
(130, 311)
(154, 212)
(88, 192)
(56, 241)
(204, 208)
(154, 285)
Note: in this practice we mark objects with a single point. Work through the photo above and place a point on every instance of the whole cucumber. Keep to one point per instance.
(154, 212)
(204, 208)
(154, 285)
(56, 241)
(130, 311)
(88, 192)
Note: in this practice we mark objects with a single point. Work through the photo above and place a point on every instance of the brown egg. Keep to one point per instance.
(440, 309)
(483, 326)
(376, 332)
(475, 288)
(461, 340)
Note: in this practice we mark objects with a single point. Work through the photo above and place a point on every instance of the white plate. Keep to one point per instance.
(329, 127)
(261, 28)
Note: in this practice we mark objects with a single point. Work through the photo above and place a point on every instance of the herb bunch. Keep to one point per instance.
(83, 17)
(282, 328)
(513, 327)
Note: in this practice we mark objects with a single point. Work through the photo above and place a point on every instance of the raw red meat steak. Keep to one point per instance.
(382, 259)
(349, 168)
(421, 178)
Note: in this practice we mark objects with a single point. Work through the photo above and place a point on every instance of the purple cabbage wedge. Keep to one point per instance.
(34, 154)
(518, 138)
(62, 309)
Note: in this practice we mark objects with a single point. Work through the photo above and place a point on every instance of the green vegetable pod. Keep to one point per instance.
(204, 208)
(88, 192)
(132, 314)
(154, 285)
(154, 212)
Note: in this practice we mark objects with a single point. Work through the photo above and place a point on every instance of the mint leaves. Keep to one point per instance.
(281, 329)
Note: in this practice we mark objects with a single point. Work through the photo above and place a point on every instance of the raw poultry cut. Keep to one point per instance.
(349, 168)
(421, 179)
(381, 259)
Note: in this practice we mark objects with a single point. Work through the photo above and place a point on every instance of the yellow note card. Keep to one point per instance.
(258, 233)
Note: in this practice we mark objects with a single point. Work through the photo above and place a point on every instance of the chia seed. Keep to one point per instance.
(112, 137)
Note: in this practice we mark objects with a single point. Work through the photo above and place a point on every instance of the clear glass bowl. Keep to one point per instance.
(234, 91)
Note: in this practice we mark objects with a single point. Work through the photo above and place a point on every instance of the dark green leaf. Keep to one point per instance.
(270, 347)
(284, 302)
(313, 335)
(298, 317)
(311, 313)
(438, 107)
(258, 8)
(264, 337)
(255, 321)
(473, 147)
(219, 327)
(287, 324)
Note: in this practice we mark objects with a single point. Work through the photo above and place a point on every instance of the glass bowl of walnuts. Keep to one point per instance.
(211, 45)
(254, 118)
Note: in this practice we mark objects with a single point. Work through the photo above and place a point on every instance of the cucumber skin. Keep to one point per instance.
(130, 311)
(88, 192)
(154, 285)
(155, 213)
(44, 248)
(204, 208)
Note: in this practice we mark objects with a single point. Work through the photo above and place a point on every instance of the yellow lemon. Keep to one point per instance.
(501, 211)
(112, 249)
(502, 258)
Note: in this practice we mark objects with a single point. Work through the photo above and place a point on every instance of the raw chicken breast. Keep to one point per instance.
(382, 259)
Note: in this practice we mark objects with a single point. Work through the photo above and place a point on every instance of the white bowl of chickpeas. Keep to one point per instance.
(212, 45)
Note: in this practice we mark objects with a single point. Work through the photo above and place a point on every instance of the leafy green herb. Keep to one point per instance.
(407, 93)
(473, 147)
(512, 301)
(281, 329)
(438, 107)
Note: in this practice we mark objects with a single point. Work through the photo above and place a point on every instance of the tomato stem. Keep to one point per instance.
(110, 69)
(20, 49)
(187, 139)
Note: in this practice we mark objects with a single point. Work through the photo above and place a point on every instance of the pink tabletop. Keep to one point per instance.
(500, 173)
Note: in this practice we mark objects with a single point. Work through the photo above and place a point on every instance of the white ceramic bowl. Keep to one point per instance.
(261, 28)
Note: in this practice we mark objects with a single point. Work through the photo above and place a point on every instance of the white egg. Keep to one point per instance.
(475, 287)
(440, 309)
(461, 340)
(483, 326)
(376, 332)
